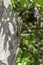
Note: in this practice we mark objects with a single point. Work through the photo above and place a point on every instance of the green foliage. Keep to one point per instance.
(18, 5)
(38, 1)
(28, 51)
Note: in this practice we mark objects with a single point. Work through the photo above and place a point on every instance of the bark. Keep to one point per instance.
(9, 40)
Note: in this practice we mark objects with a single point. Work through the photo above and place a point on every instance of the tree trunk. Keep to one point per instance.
(9, 40)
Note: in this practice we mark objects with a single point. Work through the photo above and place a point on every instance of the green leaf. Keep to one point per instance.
(38, 1)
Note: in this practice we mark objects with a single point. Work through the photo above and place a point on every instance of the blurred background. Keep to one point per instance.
(30, 31)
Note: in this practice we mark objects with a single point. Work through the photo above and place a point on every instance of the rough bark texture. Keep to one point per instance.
(8, 34)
